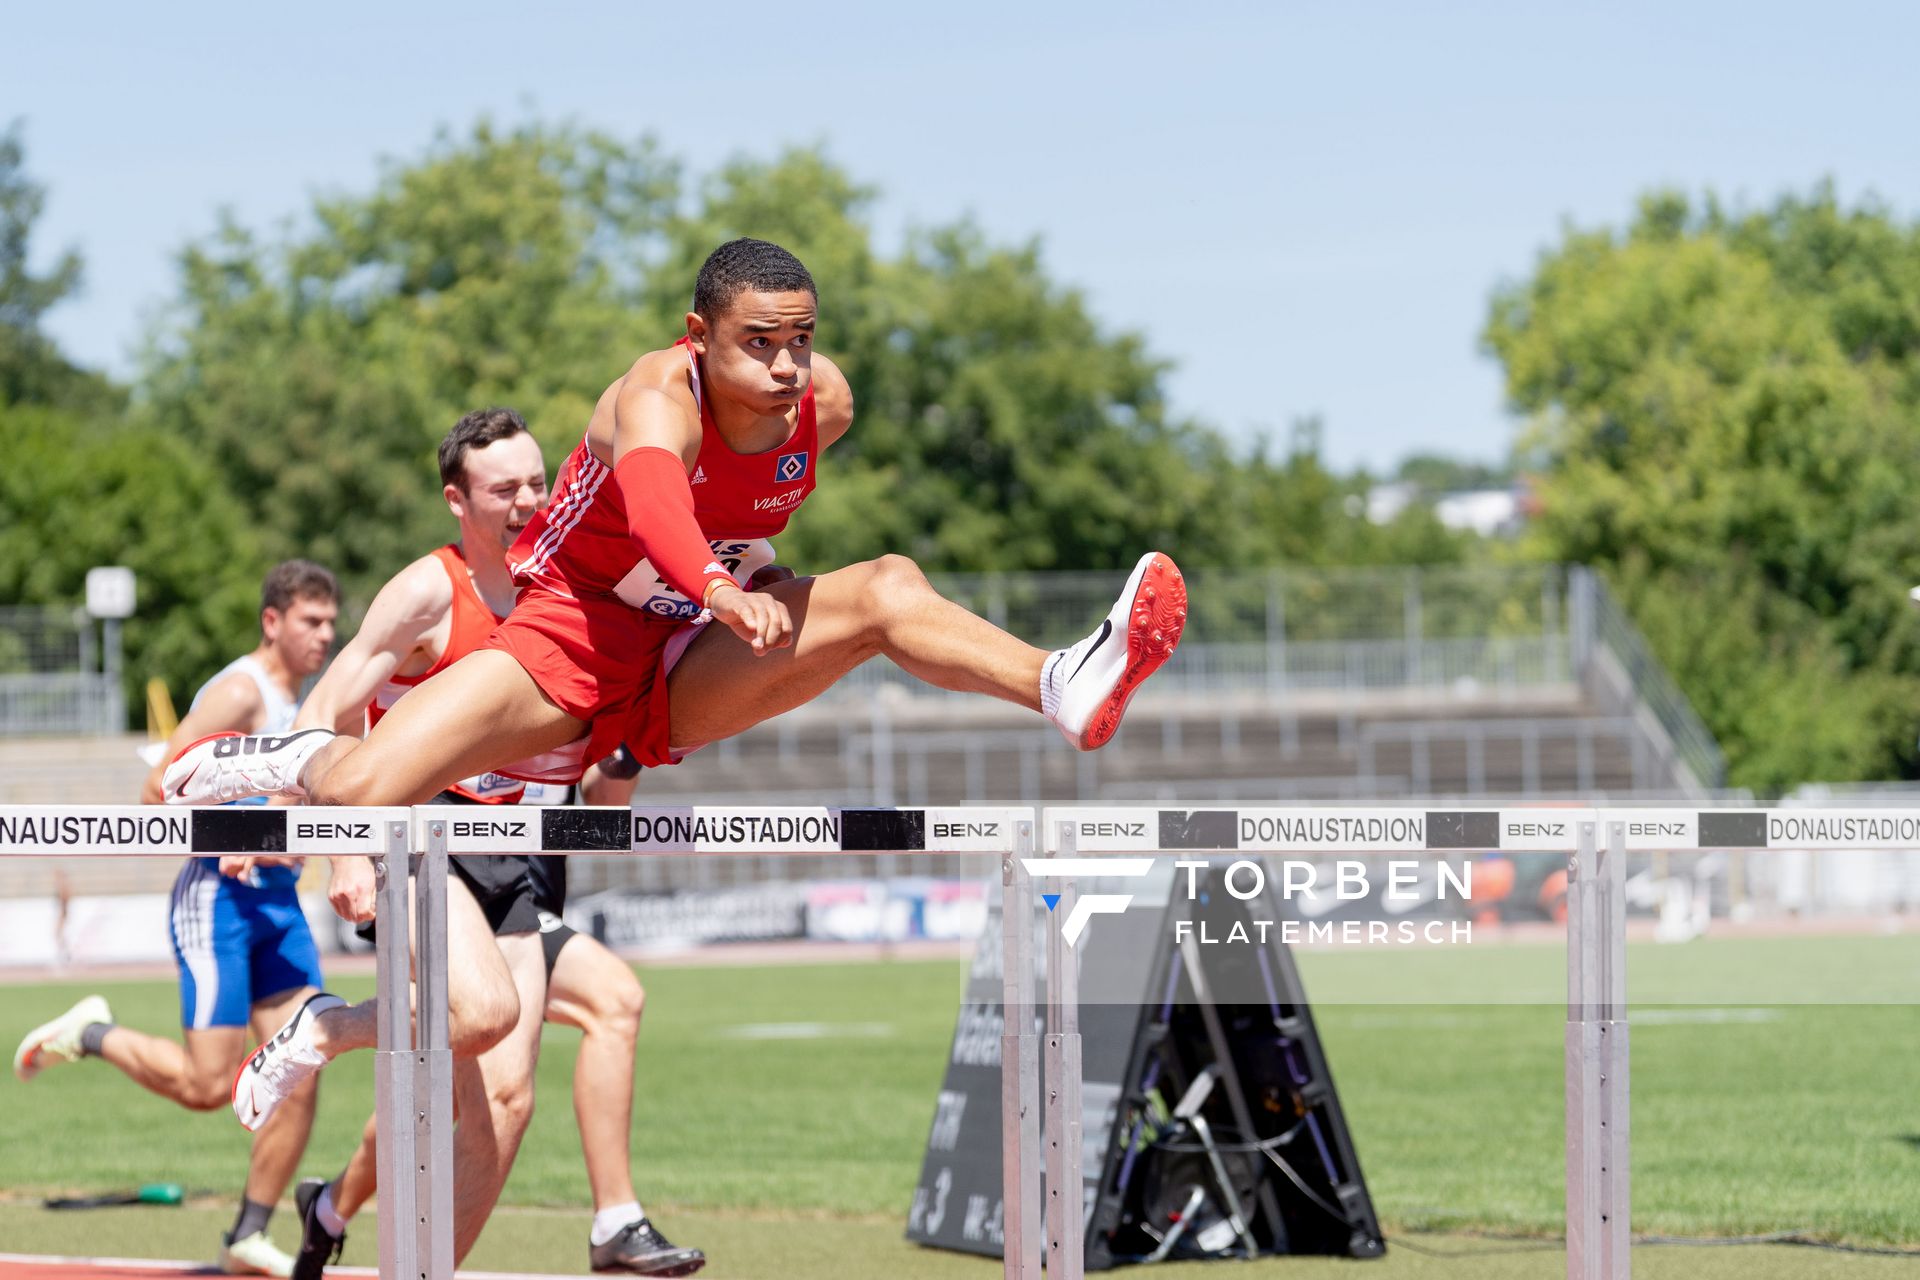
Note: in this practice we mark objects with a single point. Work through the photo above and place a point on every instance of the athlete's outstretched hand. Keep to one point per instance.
(755, 616)
(352, 889)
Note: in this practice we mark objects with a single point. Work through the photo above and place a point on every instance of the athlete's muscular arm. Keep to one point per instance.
(404, 619)
(651, 429)
(233, 706)
(832, 400)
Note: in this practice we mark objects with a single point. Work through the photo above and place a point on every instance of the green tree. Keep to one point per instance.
(32, 371)
(77, 493)
(82, 490)
(319, 371)
(1725, 406)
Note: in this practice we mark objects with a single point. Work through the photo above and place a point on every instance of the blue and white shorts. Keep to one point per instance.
(238, 944)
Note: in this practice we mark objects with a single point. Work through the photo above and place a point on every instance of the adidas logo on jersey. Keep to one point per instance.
(699, 475)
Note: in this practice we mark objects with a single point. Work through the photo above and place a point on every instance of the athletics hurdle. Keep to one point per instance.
(1596, 1037)
(408, 1081)
(760, 830)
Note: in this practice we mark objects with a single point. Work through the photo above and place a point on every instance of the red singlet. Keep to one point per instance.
(595, 625)
(472, 622)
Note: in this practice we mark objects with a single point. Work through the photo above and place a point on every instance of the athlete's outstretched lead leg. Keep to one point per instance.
(483, 712)
(887, 608)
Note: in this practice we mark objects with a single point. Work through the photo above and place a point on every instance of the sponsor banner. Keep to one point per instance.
(623, 918)
(484, 828)
(1655, 830)
(119, 830)
(730, 829)
(1105, 830)
(906, 909)
(1541, 830)
(1667, 829)
(973, 830)
(333, 831)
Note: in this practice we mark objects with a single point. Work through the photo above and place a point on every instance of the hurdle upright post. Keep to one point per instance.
(1023, 1226)
(394, 1101)
(1599, 1218)
(1066, 1213)
(432, 1063)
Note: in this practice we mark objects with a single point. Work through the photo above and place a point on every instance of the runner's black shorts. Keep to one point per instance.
(548, 875)
(499, 882)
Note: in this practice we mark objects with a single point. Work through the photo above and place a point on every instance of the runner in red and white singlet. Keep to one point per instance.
(714, 440)
(599, 625)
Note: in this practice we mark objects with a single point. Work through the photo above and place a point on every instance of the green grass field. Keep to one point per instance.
(794, 1157)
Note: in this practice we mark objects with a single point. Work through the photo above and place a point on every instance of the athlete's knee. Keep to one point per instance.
(510, 1099)
(484, 1027)
(894, 585)
(620, 1007)
(205, 1093)
(343, 780)
(480, 1016)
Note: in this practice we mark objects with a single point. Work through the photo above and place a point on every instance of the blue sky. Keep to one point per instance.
(1305, 207)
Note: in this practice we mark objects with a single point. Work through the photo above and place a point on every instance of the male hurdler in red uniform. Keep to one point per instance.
(692, 461)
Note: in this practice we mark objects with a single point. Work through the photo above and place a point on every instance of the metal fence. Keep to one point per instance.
(49, 682)
(1608, 647)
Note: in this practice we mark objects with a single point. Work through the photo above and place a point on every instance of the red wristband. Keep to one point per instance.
(653, 483)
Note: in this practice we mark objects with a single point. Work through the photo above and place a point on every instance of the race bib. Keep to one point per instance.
(644, 589)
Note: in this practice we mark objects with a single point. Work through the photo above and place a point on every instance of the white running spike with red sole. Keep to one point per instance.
(1092, 682)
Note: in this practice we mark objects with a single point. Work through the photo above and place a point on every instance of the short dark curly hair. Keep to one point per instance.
(475, 431)
(743, 264)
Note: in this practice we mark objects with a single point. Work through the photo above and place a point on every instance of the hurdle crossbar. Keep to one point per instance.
(791, 830)
(409, 849)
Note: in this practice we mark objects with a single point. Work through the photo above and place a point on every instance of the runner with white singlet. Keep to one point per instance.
(245, 954)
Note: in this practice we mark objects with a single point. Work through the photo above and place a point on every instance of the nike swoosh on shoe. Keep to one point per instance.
(1106, 630)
